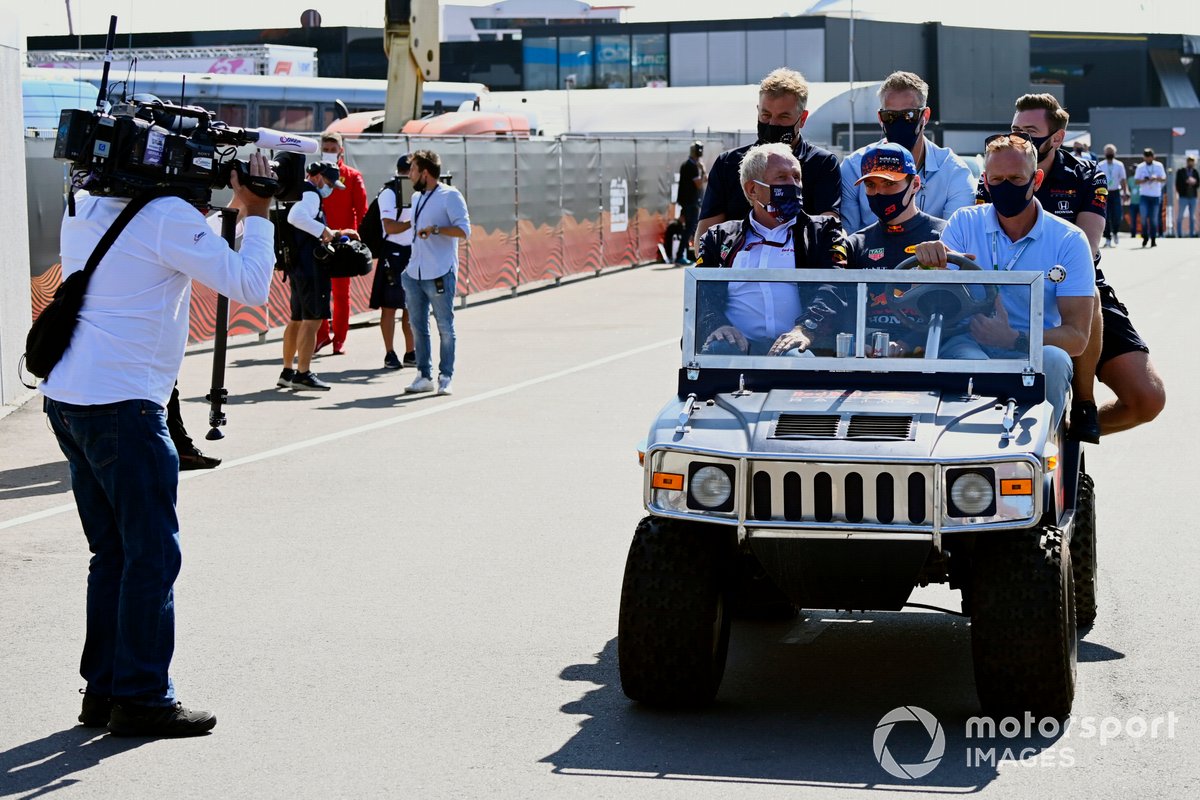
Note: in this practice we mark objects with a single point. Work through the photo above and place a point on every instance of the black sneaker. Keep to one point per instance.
(309, 380)
(391, 360)
(133, 720)
(410, 358)
(95, 711)
(285, 378)
(1085, 422)
(190, 457)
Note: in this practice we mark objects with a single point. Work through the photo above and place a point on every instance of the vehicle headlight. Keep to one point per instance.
(971, 493)
(710, 486)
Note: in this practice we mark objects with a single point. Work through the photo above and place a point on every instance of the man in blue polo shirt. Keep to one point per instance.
(947, 183)
(1013, 232)
(439, 220)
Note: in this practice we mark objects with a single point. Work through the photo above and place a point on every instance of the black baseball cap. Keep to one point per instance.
(402, 164)
(329, 171)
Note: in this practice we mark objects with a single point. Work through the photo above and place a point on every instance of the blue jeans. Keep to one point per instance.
(1112, 216)
(420, 297)
(1056, 365)
(124, 474)
(1150, 209)
(1187, 210)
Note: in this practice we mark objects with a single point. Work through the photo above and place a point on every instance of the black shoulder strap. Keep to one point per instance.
(110, 236)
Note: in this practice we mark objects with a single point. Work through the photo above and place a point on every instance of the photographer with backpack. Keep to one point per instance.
(387, 230)
(310, 284)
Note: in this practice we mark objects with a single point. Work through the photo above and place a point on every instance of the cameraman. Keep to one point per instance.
(105, 403)
(311, 285)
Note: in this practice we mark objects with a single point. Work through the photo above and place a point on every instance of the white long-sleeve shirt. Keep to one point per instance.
(306, 215)
(133, 328)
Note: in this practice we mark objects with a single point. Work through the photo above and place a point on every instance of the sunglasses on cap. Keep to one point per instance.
(1018, 138)
(905, 114)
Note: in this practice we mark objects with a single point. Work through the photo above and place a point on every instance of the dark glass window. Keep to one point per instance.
(541, 63)
(612, 62)
(575, 60)
(649, 59)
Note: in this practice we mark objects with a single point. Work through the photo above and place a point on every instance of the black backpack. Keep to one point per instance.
(287, 246)
(370, 228)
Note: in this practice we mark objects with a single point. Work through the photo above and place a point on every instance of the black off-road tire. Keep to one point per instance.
(1083, 552)
(1023, 637)
(673, 632)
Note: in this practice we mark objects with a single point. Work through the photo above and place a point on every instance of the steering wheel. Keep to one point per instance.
(917, 306)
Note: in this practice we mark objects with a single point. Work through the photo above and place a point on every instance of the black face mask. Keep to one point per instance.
(786, 200)
(904, 133)
(1109, 157)
(770, 134)
(1038, 141)
(889, 206)
(1010, 198)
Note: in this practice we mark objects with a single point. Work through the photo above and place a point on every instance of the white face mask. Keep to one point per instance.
(325, 191)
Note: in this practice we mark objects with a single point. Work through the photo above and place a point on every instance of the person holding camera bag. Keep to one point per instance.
(311, 285)
(105, 401)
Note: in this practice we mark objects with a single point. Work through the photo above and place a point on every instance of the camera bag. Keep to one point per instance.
(346, 258)
(51, 333)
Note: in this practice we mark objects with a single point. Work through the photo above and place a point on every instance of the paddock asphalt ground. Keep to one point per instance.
(416, 597)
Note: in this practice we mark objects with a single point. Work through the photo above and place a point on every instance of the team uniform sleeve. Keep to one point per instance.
(1075, 256)
(387, 205)
(188, 245)
(1094, 191)
(980, 193)
(358, 197)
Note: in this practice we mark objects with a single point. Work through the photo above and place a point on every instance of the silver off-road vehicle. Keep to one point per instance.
(837, 480)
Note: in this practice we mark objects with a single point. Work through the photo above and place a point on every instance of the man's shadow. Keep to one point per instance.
(36, 481)
(42, 766)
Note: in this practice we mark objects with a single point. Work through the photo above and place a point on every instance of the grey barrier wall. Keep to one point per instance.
(540, 210)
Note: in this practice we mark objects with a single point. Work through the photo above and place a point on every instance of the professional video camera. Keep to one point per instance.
(148, 144)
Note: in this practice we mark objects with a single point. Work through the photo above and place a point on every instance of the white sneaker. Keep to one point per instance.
(444, 385)
(421, 384)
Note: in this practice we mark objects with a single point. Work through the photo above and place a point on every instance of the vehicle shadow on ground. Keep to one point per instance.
(799, 706)
(36, 481)
(42, 766)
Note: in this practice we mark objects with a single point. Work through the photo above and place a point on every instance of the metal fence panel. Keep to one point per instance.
(539, 211)
(581, 205)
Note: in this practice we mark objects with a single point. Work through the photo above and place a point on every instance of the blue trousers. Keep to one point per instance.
(125, 475)
(1150, 210)
(420, 296)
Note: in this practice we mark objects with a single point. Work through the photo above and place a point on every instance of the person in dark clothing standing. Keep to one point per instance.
(782, 112)
(692, 176)
(1186, 180)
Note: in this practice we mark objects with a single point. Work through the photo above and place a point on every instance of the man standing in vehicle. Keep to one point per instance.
(946, 182)
(782, 112)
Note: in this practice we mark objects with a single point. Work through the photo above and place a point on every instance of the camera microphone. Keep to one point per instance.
(268, 139)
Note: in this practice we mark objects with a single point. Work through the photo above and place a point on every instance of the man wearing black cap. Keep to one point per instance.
(692, 176)
(310, 284)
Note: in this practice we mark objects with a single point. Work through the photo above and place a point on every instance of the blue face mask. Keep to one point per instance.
(785, 200)
(325, 191)
(1010, 199)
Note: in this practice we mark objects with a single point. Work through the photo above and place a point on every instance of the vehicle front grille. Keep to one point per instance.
(882, 494)
(874, 426)
(809, 426)
(830, 426)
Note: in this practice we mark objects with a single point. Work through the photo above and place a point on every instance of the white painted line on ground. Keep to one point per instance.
(373, 426)
(809, 628)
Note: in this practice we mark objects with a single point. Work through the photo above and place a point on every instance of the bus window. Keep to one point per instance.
(235, 115)
(300, 119)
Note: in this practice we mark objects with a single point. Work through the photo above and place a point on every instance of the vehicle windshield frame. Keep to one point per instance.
(859, 280)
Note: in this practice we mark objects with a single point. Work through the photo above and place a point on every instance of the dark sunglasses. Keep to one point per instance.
(905, 114)
(1018, 136)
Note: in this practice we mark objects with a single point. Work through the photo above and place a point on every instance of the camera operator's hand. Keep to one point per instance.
(254, 205)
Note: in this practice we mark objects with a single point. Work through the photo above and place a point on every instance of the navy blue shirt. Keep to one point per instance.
(819, 172)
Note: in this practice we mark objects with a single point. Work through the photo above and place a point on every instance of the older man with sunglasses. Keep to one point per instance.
(947, 183)
(1014, 232)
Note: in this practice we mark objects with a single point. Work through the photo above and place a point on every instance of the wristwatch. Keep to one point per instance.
(436, 230)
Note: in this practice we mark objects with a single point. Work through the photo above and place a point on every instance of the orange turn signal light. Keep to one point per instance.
(1016, 486)
(667, 480)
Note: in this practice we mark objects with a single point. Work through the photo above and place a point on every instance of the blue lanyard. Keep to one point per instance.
(1012, 262)
(421, 206)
